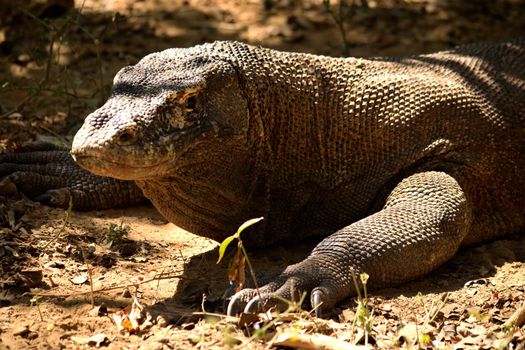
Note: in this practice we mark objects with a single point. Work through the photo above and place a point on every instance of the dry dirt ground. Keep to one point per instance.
(56, 65)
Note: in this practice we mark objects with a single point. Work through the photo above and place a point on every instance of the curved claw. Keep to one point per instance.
(57, 197)
(253, 306)
(325, 287)
(238, 301)
(266, 302)
(317, 301)
(8, 187)
(234, 307)
(249, 303)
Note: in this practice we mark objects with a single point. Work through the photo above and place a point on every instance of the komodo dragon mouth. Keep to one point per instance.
(123, 170)
(144, 160)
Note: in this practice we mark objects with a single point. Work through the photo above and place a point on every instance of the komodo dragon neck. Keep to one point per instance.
(292, 101)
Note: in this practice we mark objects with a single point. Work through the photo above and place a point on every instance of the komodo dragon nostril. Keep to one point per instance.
(127, 136)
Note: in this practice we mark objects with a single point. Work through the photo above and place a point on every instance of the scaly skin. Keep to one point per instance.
(396, 161)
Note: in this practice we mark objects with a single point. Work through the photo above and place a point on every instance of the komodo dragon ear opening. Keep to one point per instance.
(191, 103)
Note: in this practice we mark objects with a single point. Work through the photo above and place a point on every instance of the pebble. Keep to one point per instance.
(162, 322)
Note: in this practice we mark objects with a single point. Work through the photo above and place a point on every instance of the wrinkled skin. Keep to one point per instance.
(396, 162)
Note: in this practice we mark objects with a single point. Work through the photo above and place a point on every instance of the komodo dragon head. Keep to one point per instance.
(176, 123)
(162, 112)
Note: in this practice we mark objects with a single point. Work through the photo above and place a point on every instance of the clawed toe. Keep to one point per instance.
(7, 187)
(59, 197)
(317, 301)
(299, 281)
(257, 303)
(266, 301)
(239, 301)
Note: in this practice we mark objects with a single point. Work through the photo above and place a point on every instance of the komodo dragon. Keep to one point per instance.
(397, 162)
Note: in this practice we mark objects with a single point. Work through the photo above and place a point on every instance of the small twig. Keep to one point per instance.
(339, 21)
(63, 227)
(107, 289)
(436, 312)
(21, 103)
(90, 276)
(158, 282)
(60, 137)
(206, 313)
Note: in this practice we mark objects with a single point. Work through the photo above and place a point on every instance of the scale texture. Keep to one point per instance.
(395, 162)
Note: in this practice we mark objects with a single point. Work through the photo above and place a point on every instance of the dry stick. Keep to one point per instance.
(60, 137)
(158, 283)
(339, 21)
(64, 224)
(107, 289)
(436, 312)
(314, 341)
(517, 319)
(90, 276)
(21, 103)
(223, 316)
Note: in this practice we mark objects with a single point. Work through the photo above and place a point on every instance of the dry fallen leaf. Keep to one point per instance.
(246, 319)
(518, 318)
(129, 318)
(28, 278)
(99, 310)
(237, 270)
(314, 342)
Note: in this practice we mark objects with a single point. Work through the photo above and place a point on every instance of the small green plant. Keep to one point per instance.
(236, 271)
(117, 233)
(363, 315)
(34, 303)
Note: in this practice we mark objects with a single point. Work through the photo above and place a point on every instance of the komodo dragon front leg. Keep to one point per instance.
(420, 227)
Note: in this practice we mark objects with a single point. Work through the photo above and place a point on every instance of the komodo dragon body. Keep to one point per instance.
(396, 161)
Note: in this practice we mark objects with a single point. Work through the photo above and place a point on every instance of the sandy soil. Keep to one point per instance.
(56, 66)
